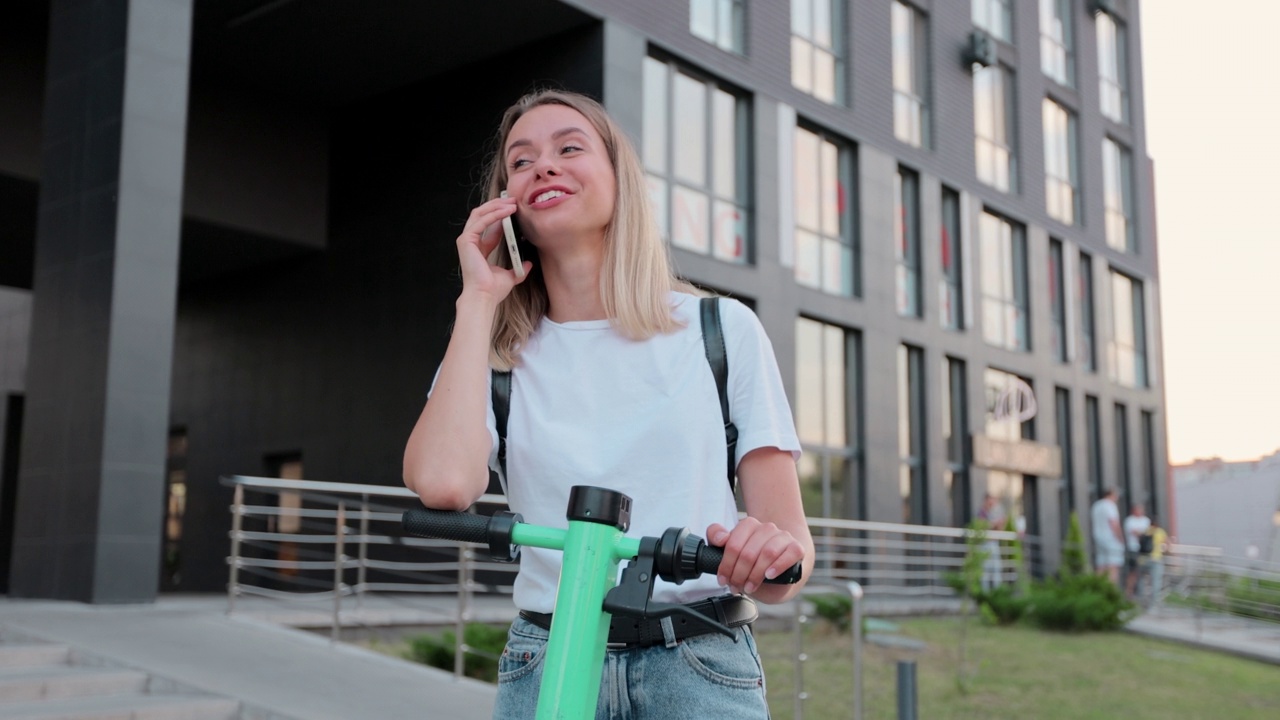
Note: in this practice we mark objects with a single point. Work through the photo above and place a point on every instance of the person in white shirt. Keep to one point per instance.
(610, 386)
(1135, 525)
(1108, 540)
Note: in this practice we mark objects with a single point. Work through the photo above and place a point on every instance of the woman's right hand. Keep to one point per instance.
(480, 237)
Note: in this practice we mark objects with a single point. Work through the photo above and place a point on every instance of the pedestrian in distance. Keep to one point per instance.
(1108, 539)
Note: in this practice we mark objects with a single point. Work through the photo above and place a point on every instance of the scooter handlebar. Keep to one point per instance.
(709, 558)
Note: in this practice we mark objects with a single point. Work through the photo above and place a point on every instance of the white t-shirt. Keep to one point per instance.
(1100, 516)
(1135, 526)
(590, 407)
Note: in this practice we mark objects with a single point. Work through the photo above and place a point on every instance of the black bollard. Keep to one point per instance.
(906, 690)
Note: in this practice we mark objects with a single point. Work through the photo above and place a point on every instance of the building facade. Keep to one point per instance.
(1234, 506)
(228, 231)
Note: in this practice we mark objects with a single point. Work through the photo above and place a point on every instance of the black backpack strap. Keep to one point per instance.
(718, 359)
(501, 392)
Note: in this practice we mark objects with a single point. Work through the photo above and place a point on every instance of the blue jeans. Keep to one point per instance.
(707, 676)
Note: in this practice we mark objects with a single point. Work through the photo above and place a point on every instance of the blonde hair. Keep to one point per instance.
(636, 274)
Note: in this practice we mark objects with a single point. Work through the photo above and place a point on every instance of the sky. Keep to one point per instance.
(1211, 73)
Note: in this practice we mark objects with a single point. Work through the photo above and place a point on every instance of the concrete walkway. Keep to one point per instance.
(277, 672)
(1245, 637)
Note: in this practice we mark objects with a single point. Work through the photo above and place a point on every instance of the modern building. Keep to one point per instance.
(1230, 505)
(226, 241)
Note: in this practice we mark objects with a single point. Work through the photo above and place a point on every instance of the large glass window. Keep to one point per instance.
(1061, 171)
(912, 483)
(1113, 68)
(1128, 332)
(1123, 475)
(817, 48)
(993, 122)
(955, 435)
(1088, 322)
(906, 245)
(994, 16)
(1093, 444)
(826, 253)
(1005, 311)
(719, 22)
(1001, 424)
(1057, 301)
(1067, 488)
(1117, 184)
(1057, 59)
(910, 75)
(828, 397)
(696, 153)
(1150, 469)
(952, 291)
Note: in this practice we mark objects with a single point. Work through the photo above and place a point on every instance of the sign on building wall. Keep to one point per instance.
(1017, 456)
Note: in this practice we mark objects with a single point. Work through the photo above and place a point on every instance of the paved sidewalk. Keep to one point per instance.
(278, 672)
(1253, 639)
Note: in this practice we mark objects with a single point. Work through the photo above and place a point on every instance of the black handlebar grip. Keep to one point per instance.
(447, 525)
(709, 558)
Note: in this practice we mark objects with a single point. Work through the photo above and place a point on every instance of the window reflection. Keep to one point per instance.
(1002, 249)
(825, 256)
(826, 397)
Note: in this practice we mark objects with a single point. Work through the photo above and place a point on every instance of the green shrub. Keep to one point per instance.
(1077, 604)
(486, 643)
(1074, 562)
(1254, 598)
(836, 609)
(1004, 605)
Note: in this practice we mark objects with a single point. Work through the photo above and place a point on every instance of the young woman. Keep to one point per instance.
(610, 387)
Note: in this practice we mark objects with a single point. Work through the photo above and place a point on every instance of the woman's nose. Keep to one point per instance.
(547, 167)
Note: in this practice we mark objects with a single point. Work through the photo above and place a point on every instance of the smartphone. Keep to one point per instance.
(514, 252)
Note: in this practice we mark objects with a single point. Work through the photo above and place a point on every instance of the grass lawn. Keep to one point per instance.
(1022, 673)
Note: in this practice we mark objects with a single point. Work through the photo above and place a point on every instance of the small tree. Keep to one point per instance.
(1074, 561)
(968, 583)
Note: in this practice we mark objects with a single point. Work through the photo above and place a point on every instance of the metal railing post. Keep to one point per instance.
(906, 690)
(237, 515)
(361, 571)
(339, 547)
(855, 591)
(801, 657)
(464, 609)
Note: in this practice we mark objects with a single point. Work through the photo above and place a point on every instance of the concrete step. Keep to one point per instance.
(125, 707)
(26, 684)
(25, 654)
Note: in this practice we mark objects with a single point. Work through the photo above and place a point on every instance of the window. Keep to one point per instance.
(1122, 457)
(1113, 68)
(911, 445)
(993, 125)
(817, 52)
(1066, 488)
(1057, 301)
(1088, 325)
(1150, 471)
(1117, 184)
(696, 154)
(1128, 352)
(906, 245)
(994, 16)
(952, 294)
(910, 75)
(828, 398)
(1061, 181)
(288, 518)
(1093, 443)
(1000, 385)
(719, 22)
(1005, 312)
(955, 435)
(1057, 60)
(826, 255)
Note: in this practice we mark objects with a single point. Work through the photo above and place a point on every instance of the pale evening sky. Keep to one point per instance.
(1212, 81)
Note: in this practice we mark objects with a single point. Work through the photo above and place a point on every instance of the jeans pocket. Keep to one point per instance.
(722, 661)
(526, 646)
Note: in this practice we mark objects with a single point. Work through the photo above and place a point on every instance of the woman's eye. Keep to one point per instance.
(570, 148)
(518, 163)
